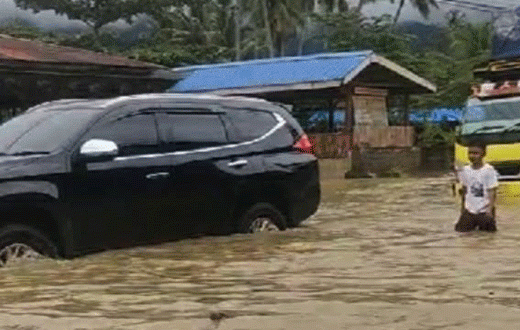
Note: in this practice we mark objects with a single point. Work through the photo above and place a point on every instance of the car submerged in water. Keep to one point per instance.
(79, 176)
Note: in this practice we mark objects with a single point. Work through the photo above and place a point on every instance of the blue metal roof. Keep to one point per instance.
(271, 72)
(437, 115)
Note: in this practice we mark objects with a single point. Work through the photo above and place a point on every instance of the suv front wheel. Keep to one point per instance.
(262, 217)
(20, 243)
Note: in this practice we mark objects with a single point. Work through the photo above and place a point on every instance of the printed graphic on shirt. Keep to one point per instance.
(477, 183)
(477, 189)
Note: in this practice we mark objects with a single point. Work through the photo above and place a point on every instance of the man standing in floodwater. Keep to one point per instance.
(479, 187)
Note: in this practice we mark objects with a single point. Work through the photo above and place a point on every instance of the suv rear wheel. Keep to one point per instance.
(262, 217)
(20, 243)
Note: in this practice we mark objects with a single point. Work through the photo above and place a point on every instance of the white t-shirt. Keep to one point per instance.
(477, 183)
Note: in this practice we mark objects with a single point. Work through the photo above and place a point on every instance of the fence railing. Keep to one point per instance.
(384, 137)
(337, 145)
(330, 145)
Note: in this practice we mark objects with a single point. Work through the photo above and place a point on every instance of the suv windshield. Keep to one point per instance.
(504, 109)
(42, 131)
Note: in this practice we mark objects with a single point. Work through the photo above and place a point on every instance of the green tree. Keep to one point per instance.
(450, 68)
(277, 19)
(94, 13)
(352, 31)
(190, 32)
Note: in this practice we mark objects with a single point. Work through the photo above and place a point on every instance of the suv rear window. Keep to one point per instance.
(250, 124)
(188, 131)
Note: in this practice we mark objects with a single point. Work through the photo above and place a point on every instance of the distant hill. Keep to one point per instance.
(427, 36)
(141, 29)
(125, 35)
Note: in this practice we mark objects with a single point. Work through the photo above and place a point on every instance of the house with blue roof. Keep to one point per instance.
(360, 84)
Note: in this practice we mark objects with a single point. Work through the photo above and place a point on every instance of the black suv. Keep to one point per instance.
(78, 176)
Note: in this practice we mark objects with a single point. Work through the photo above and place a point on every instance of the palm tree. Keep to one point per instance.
(285, 20)
(257, 35)
(471, 41)
(470, 46)
(422, 5)
(311, 8)
(272, 21)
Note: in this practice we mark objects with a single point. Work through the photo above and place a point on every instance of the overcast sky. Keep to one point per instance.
(48, 20)
(437, 16)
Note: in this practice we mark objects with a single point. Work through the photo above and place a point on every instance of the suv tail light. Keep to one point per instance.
(303, 144)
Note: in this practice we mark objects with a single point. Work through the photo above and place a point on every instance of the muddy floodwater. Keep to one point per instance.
(379, 254)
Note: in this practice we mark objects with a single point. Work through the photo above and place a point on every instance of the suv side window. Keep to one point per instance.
(250, 124)
(134, 134)
(190, 130)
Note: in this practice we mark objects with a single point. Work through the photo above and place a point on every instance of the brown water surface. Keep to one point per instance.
(379, 254)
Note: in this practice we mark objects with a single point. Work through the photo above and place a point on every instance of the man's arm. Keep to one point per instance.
(492, 193)
(492, 187)
(462, 192)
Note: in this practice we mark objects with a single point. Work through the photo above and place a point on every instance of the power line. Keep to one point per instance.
(476, 4)
(468, 7)
(495, 11)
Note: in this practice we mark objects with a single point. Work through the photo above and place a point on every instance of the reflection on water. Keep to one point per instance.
(379, 254)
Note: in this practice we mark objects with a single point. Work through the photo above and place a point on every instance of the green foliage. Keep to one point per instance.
(450, 68)
(95, 13)
(353, 31)
(177, 56)
(103, 42)
(195, 34)
(422, 5)
(203, 31)
(21, 29)
(271, 23)
(432, 135)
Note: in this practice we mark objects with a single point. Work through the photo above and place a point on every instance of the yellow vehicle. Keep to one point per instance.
(492, 114)
(496, 122)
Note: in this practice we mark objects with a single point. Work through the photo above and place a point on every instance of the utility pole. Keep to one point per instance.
(236, 13)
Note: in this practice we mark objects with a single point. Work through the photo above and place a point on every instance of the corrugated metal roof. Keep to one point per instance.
(280, 71)
(35, 51)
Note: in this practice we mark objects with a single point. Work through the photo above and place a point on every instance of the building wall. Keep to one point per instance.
(370, 111)
(375, 162)
(381, 161)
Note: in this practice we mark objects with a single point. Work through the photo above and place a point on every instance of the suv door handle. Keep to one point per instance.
(158, 175)
(238, 163)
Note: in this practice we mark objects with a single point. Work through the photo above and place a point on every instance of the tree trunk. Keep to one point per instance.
(398, 13)
(268, 29)
(97, 38)
(335, 7)
(301, 39)
(360, 4)
(236, 8)
(316, 8)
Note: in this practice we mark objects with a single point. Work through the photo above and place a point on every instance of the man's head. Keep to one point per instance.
(476, 152)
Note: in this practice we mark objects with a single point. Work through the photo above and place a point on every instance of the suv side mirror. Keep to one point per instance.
(97, 149)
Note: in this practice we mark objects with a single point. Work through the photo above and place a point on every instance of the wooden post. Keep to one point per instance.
(356, 160)
(407, 110)
(349, 114)
(331, 105)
